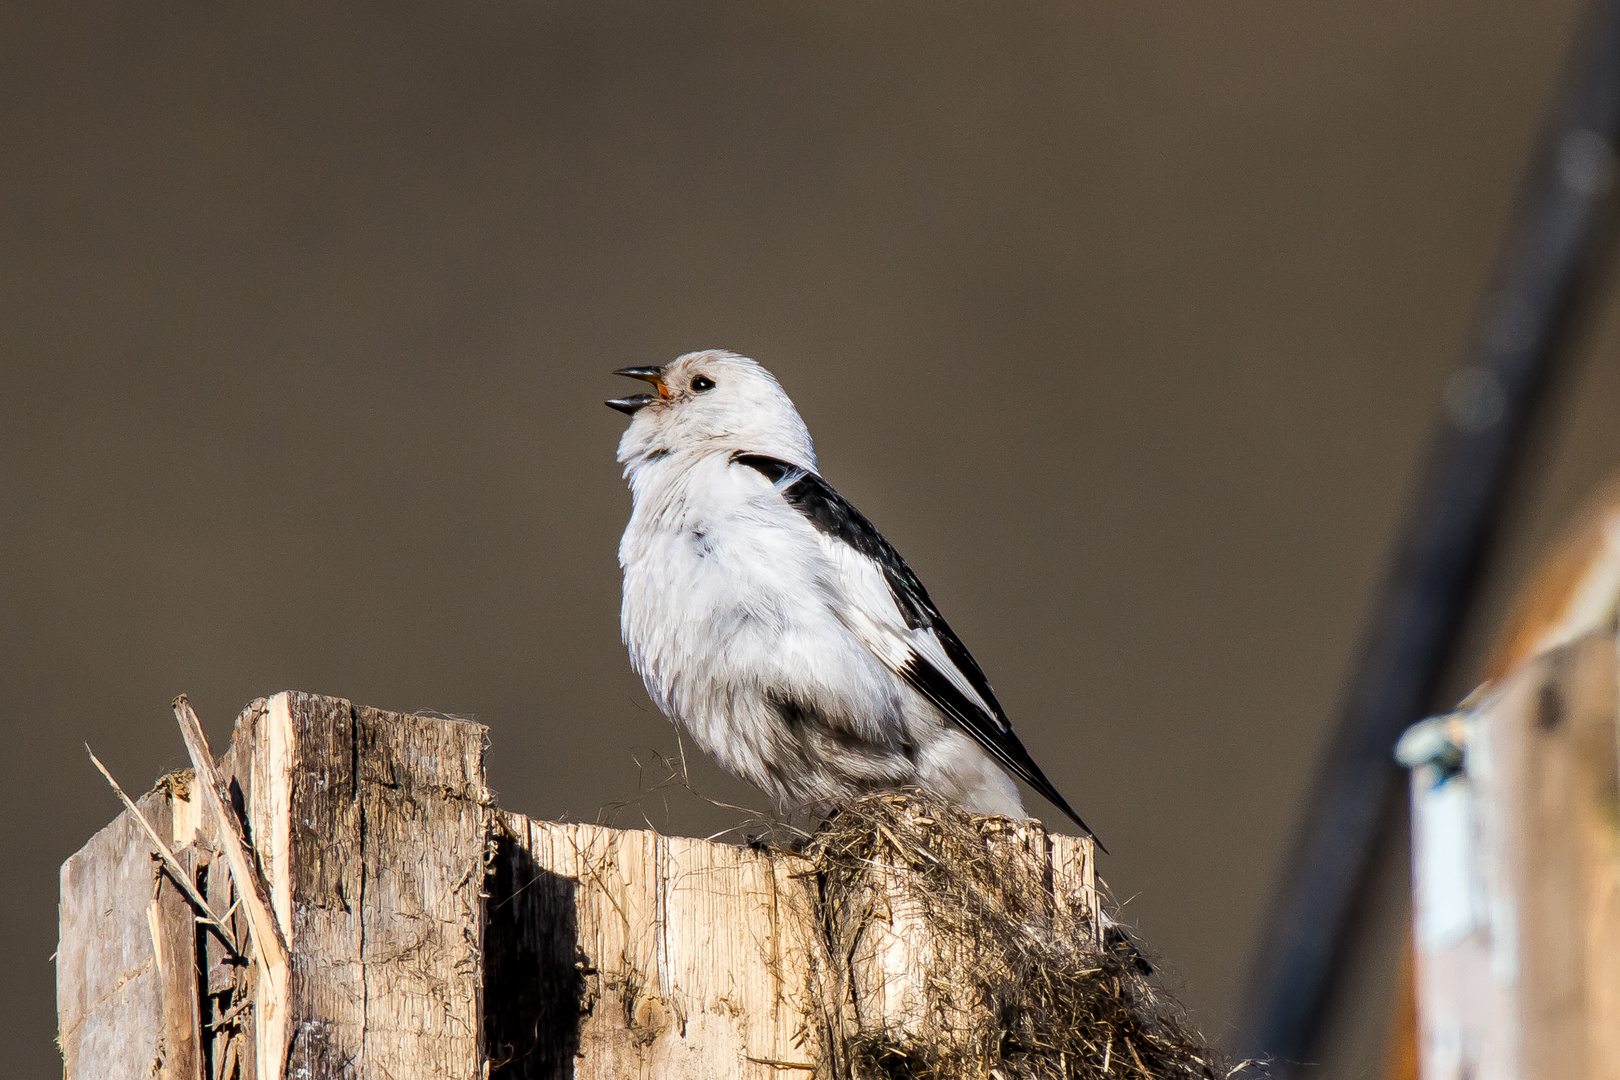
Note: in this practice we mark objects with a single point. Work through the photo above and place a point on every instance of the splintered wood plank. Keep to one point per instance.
(174, 934)
(372, 831)
(109, 993)
(365, 831)
(619, 954)
(368, 841)
(163, 915)
(233, 988)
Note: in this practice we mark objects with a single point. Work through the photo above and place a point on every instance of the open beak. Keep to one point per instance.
(636, 402)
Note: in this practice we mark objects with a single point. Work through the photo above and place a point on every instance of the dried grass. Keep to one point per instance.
(950, 957)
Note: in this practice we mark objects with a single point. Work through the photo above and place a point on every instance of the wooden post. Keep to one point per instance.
(1516, 860)
(368, 829)
(645, 955)
(662, 956)
(429, 934)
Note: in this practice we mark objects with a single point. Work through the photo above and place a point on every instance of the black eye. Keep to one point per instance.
(701, 383)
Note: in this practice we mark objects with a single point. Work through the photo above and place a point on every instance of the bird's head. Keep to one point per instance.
(711, 401)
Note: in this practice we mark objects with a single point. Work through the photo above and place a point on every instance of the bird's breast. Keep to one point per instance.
(730, 597)
(714, 572)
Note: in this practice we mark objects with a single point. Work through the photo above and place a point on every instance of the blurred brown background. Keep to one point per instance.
(1126, 323)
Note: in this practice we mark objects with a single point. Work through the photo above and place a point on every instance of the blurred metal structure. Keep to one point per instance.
(1558, 232)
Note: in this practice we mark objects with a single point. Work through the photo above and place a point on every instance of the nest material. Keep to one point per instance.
(950, 955)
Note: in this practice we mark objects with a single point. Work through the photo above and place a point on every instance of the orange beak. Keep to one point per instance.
(654, 375)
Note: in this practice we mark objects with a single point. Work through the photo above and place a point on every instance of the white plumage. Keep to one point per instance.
(774, 624)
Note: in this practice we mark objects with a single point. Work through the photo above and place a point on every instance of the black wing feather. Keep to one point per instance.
(834, 516)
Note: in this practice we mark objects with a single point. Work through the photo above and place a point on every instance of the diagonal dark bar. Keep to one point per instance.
(1558, 232)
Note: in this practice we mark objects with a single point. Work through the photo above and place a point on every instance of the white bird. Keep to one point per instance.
(772, 622)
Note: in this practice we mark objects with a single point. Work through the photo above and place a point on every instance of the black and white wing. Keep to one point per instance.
(902, 626)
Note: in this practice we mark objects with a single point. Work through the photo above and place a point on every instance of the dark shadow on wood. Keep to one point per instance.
(534, 971)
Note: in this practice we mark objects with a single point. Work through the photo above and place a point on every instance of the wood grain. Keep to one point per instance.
(622, 953)
(109, 997)
(380, 878)
(176, 932)
(625, 953)
(429, 935)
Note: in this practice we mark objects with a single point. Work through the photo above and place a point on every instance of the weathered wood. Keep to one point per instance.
(173, 917)
(235, 1000)
(369, 829)
(596, 952)
(174, 937)
(121, 905)
(899, 955)
(1517, 873)
(614, 953)
(109, 996)
(624, 953)
(375, 830)
(267, 934)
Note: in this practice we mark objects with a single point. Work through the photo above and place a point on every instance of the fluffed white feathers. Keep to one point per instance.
(771, 621)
